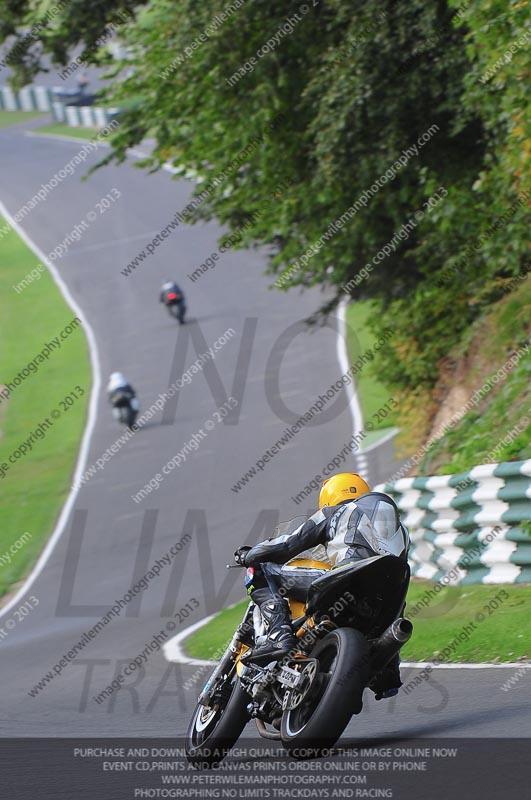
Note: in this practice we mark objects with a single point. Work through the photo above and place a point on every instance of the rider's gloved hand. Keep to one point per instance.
(239, 555)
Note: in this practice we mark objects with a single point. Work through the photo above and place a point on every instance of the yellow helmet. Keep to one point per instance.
(344, 486)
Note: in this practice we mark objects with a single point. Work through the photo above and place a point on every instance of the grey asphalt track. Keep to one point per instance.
(118, 539)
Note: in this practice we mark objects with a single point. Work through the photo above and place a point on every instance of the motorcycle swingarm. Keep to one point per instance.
(285, 675)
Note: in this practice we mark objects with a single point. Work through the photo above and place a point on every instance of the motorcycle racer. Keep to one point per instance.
(120, 392)
(352, 523)
(173, 298)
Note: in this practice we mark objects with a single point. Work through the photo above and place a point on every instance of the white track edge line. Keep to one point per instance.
(174, 644)
(392, 433)
(344, 363)
(91, 416)
(96, 376)
(173, 651)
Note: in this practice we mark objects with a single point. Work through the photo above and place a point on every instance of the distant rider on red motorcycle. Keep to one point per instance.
(173, 298)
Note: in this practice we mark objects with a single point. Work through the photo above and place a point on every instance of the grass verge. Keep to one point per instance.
(455, 614)
(14, 117)
(66, 130)
(36, 484)
(373, 395)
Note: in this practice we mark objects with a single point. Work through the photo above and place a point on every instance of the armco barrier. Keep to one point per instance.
(479, 521)
(41, 98)
(31, 98)
(82, 116)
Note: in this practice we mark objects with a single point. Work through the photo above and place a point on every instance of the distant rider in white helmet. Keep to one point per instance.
(120, 393)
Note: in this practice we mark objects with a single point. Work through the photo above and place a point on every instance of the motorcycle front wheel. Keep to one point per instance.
(320, 716)
(214, 730)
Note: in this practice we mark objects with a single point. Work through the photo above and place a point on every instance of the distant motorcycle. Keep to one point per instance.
(125, 408)
(173, 299)
(348, 630)
(176, 307)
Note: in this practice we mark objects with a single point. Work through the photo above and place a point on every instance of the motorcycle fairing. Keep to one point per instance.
(379, 585)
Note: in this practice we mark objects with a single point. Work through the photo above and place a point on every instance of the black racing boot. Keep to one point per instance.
(386, 683)
(279, 639)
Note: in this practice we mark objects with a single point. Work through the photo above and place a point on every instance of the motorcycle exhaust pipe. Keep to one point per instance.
(390, 642)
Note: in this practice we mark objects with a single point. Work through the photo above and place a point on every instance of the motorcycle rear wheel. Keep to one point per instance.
(177, 312)
(213, 731)
(324, 713)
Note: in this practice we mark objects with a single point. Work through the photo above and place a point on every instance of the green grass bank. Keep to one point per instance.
(36, 483)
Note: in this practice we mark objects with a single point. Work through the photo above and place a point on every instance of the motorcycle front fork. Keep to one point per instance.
(241, 636)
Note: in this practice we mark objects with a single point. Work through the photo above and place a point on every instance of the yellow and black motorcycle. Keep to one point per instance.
(347, 631)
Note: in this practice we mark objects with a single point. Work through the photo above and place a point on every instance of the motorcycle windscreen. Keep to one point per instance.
(284, 529)
(379, 525)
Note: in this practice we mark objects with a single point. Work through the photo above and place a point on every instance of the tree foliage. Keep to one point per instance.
(284, 143)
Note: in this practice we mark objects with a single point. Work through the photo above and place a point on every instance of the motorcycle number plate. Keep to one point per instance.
(289, 677)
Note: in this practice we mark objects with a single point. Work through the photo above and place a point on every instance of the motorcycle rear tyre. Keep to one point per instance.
(318, 723)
